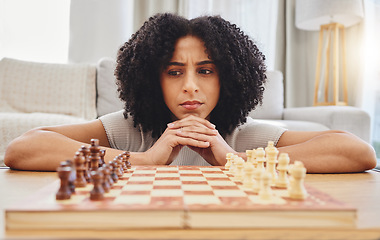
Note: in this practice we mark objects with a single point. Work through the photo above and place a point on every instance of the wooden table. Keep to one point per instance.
(361, 190)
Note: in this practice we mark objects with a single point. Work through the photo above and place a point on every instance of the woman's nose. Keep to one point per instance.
(190, 83)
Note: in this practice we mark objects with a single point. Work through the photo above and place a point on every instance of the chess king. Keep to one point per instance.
(188, 86)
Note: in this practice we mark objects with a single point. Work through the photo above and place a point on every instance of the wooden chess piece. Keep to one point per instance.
(109, 172)
(126, 156)
(257, 177)
(282, 168)
(248, 181)
(232, 169)
(248, 153)
(72, 176)
(102, 154)
(64, 191)
(114, 171)
(97, 193)
(106, 185)
(271, 153)
(228, 163)
(86, 154)
(296, 188)
(260, 158)
(94, 154)
(239, 173)
(265, 192)
(119, 164)
(252, 157)
(79, 162)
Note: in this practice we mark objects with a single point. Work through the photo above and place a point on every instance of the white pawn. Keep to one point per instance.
(257, 179)
(248, 153)
(239, 172)
(253, 158)
(232, 165)
(283, 166)
(296, 188)
(269, 146)
(248, 181)
(260, 158)
(265, 192)
(228, 163)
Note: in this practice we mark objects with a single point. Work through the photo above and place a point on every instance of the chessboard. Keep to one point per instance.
(176, 197)
(180, 197)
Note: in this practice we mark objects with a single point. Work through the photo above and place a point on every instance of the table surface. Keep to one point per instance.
(361, 190)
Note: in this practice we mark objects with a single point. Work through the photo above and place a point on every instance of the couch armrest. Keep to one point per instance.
(347, 118)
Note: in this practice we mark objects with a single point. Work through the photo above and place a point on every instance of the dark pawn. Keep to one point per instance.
(119, 164)
(79, 162)
(114, 171)
(64, 191)
(73, 174)
(109, 168)
(102, 153)
(86, 152)
(94, 154)
(97, 193)
(127, 162)
(106, 173)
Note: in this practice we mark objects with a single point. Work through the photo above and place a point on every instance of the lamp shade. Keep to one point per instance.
(311, 14)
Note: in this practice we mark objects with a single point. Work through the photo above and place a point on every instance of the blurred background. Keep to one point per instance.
(83, 31)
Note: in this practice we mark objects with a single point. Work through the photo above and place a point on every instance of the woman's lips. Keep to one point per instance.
(191, 105)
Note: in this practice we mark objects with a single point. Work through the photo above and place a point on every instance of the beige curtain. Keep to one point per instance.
(98, 28)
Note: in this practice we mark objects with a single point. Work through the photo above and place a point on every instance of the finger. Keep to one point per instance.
(191, 121)
(196, 132)
(197, 137)
(173, 139)
(193, 142)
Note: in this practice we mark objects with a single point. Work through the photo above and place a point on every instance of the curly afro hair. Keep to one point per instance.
(140, 61)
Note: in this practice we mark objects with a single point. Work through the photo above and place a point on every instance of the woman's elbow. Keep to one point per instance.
(12, 154)
(367, 157)
(362, 153)
(17, 149)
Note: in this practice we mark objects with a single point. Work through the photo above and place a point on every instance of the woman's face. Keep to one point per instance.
(190, 83)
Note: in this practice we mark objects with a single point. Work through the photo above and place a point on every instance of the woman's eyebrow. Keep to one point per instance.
(198, 63)
(205, 62)
(176, 64)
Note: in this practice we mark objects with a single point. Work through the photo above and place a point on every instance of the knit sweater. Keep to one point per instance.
(123, 135)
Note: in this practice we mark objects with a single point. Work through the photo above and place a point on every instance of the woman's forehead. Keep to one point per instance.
(189, 47)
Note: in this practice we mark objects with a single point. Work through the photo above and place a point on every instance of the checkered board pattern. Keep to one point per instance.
(194, 192)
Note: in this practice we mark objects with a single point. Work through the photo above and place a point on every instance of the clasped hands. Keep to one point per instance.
(198, 134)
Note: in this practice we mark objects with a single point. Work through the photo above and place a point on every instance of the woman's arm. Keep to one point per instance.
(44, 148)
(328, 151)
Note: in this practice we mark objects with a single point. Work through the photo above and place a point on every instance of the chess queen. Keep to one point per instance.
(187, 88)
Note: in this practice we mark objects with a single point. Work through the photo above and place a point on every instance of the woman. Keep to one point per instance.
(188, 86)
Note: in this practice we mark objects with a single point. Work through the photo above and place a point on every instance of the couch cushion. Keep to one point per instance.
(13, 125)
(107, 99)
(273, 99)
(27, 87)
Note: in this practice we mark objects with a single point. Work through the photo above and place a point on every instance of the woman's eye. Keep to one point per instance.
(205, 71)
(174, 73)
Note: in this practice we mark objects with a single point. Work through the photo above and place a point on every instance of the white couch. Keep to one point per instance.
(41, 94)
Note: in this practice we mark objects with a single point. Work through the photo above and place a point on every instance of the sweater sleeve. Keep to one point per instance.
(123, 135)
(254, 134)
